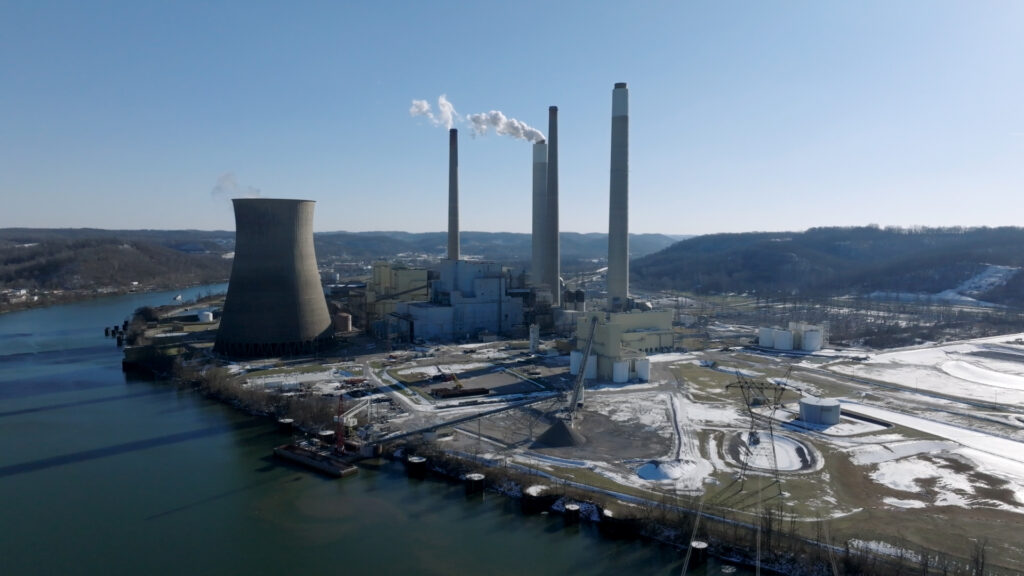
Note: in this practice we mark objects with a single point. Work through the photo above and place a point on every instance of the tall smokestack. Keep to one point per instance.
(551, 260)
(618, 207)
(540, 186)
(453, 194)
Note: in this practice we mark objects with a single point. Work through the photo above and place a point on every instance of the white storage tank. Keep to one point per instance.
(766, 338)
(811, 341)
(825, 411)
(575, 359)
(783, 339)
(620, 372)
(206, 316)
(643, 369)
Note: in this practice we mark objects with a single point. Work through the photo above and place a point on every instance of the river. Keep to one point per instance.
(101, 473)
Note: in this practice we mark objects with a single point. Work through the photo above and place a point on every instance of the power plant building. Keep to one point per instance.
(468, 298)
(622, 341)
(275, 305)
(389, 285)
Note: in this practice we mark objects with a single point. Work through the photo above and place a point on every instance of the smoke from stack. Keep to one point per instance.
(446, 115)
(227, 186)
(504, 126)
(453, 194)
(540, 185)
(551, 260)
(618, 206)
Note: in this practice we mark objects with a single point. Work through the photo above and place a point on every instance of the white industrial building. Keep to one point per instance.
(468, 298)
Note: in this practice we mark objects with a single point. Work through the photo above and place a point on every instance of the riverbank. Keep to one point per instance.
(22, 300)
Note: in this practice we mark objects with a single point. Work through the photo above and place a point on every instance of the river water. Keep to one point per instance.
(100, 473)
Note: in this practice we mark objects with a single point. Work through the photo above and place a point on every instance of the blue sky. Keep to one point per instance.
(744, 115)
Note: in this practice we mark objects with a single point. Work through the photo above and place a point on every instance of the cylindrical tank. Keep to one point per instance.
(572, 513)
(643, 369)
(536, 499)
(766, 337)
(575, 359)
(620, 371)
(416, 466)
(206, 316)
(782, 339)
(474, 483)
(811, 341)
(823, 411)
(274, 305)
(342, 322)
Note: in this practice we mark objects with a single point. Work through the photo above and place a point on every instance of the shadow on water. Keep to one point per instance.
(117, 449)
(216, 497)
(78, 403)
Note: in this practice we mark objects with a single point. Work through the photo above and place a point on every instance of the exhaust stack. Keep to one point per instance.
(552, 263)
(540, 186)
(453, 194)
(618, 208)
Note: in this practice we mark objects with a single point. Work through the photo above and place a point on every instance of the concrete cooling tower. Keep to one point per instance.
(275, 305)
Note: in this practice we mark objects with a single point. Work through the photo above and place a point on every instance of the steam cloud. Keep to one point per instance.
(446, 114)
(228, 187)
(504, 126)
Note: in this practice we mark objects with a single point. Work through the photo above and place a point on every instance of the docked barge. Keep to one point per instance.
(316, 456)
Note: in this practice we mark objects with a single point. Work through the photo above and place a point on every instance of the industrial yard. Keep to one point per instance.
(927, 435)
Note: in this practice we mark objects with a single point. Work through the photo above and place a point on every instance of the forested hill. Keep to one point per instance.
(839, 261)
(89, 260)
(505, 247)
(85, 259)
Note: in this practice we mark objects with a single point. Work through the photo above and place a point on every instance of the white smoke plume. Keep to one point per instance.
(228, 187)
(504, 126)
(446, 114)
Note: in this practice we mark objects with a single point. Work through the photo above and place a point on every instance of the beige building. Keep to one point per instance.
(388, 285)
(622, 340)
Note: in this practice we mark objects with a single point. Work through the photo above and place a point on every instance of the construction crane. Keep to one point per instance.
(576, 402)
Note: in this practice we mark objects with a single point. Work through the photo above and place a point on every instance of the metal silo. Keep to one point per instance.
(274, 305)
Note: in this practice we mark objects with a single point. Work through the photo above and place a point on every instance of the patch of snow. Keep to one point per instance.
(898, 503)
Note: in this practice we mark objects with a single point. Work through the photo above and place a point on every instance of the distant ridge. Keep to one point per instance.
(839, 261)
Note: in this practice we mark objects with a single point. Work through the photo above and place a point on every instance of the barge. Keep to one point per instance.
(314, 455)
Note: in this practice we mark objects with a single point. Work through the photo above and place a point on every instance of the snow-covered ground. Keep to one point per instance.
(434, 369)
(904, 464)
(989, 370)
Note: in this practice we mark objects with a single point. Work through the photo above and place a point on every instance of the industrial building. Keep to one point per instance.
(275, 305)
(389, 285)
(469, 298)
